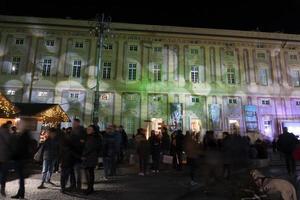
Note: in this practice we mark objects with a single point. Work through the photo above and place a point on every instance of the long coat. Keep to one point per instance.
(5, 140)
(91, 151)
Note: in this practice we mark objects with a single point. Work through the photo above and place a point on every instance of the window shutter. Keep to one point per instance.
(165, 66)
(223, 67)
(202, 69)
(69, 63)
(186, 64)
(150, 71)
(6, 65)
(269, 75)
(288, 69)
(53, 69)
(294, 77)
(201, 74)
(125, 63)
(138, 71)
(237, 75)
(224, 74)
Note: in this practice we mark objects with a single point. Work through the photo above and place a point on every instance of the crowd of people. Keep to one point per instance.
(74, 150)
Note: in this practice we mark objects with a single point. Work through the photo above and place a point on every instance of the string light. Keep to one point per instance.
(7, 108)
(54, 116)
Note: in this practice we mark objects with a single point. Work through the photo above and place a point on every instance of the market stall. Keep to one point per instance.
(50, 115)
(8, 111)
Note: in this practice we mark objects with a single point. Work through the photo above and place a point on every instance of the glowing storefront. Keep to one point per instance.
(193, 78)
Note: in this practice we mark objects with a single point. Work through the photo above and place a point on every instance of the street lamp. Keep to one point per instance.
(32, 79)
(99, 29)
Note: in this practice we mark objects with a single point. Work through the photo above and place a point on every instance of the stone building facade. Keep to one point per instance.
(191, 78)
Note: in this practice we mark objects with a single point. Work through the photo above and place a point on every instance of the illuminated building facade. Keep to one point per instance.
(186, 77)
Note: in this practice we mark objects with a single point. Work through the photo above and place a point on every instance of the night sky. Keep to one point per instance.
(270, 16)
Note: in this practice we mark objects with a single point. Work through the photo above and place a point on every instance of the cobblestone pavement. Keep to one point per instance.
(167, 185)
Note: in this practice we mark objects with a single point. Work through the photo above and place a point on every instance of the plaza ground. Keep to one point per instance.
(167, 185)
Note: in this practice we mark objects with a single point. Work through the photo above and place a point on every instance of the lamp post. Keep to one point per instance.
(99, 29)
(32, 79)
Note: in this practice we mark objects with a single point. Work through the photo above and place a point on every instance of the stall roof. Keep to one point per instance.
(29, 109)
(7, 108)
(48, 113)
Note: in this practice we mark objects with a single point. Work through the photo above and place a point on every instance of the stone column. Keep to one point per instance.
(120, 60)
(117, 108)
(181, 63)
(218, 65)
(3, 38)
(144, 108)
(31, 67)
(251, 67)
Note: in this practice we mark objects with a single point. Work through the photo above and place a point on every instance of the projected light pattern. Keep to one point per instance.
(188, 78)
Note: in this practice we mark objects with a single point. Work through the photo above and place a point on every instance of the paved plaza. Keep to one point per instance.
(167, 185)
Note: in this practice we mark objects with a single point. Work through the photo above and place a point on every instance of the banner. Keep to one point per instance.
(215, 116)
(250, 112)
(176, 115)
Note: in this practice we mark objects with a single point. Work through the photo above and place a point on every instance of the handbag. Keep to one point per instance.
(167, 159)
(38, 156)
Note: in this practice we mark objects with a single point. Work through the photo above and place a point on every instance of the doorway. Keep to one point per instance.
(234, 126)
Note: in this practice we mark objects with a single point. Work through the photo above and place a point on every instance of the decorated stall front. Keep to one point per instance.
(35, 116)
(8, 111)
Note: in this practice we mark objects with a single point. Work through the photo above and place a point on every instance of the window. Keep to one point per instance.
(10, 92)
(42, 94)
(19, 41)
(230, 75)
(263, 77)
(108, 47)
(156, 72)
(16, 61)
(50, 43)
(106, 70)
(293, 57)
(296, 78)
(156, 98)
(195, 74)
(133, 48)
(74, 95)
(229, 53)
(195, 99)
(79, 44)
(157, 49)
(76, 68)
(265, 101)
(297, 102)
(232, 101)
(46, 67)
(261, 55)
(132, 71)
(131, 97)
(130, 125)
(194, 51)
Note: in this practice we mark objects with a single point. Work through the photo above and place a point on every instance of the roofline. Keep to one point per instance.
(116, 26)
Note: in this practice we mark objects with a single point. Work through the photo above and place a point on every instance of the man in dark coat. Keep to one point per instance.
(66, 160)
(165, 141)
(177, 144)
(286, 144)
(21, 155)
(77, 140)
(4, 155)
(50, 153)
(90, 156)
(109, 152)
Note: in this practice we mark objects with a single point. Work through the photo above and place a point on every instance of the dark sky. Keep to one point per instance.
(271, 16)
